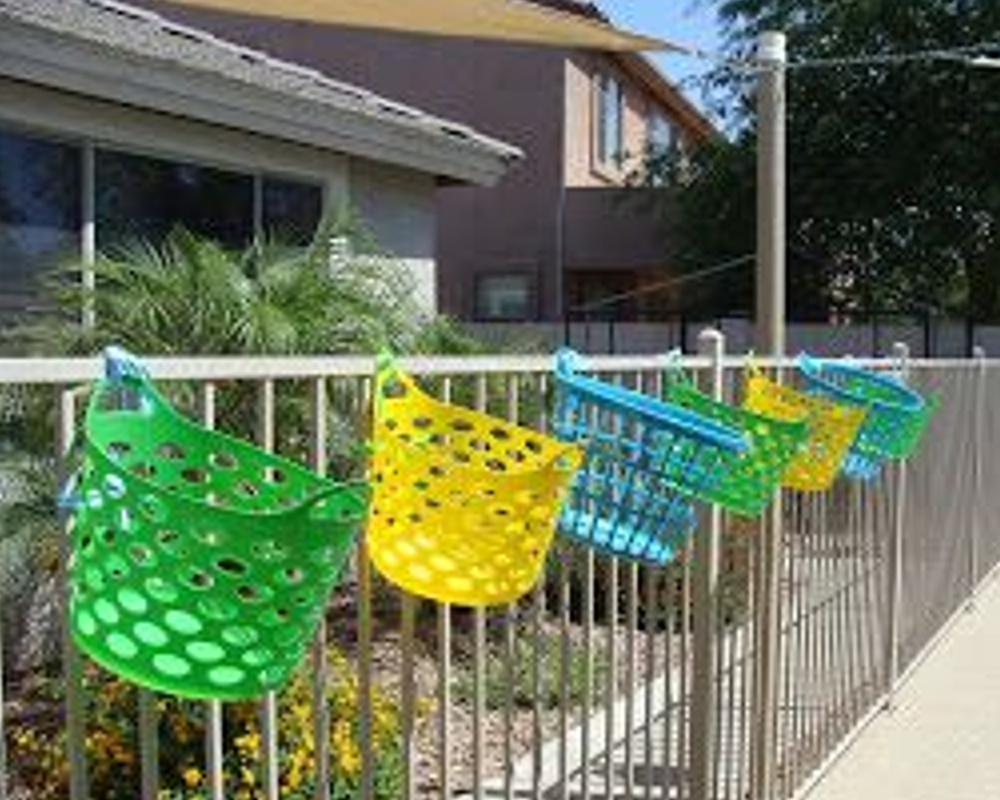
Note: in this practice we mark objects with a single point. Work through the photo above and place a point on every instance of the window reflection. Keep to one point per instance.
(292, 210)
(144, 198)
(39, 216)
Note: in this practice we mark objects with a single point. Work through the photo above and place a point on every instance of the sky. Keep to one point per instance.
(686, 22)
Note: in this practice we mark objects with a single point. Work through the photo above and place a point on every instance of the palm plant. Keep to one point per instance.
(192, 296)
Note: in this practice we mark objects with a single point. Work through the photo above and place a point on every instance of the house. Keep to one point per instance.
(561, 230)
(117, 123)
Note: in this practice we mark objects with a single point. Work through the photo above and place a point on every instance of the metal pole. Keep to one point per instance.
(895, 559)
(771, 58)
(711, 343)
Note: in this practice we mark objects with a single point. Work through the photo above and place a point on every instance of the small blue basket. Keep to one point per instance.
(645, 463)
(896, 415)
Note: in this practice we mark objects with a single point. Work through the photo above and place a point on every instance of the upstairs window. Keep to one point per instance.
(608, 122)
(661, 138)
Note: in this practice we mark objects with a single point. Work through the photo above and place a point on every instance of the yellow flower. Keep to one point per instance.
(248, 743)
(192, 777)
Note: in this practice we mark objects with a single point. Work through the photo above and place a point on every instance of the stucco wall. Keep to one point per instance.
(399, 209)
(581, 167)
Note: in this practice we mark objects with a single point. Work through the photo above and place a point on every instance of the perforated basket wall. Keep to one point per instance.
(895, 419)
(200, 565)
(464, 505)
(752, 477)
(832, 430)
(646, 462)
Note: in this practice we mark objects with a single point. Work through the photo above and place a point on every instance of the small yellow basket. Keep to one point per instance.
(832, 430)
(464, 505)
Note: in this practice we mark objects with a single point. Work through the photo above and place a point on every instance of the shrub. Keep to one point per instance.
(40, 767)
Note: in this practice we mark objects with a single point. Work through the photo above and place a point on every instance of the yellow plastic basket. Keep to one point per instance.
(832, 430)
(464, 505)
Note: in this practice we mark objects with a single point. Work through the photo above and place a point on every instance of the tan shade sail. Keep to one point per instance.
(506, 20)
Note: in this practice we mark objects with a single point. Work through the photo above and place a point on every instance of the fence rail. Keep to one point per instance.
(609, 681)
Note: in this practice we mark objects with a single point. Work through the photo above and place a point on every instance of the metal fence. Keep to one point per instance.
(739, 671)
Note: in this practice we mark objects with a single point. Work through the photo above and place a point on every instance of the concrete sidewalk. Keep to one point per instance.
(943, 739)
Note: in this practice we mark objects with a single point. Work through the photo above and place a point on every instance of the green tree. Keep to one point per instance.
(892, 199)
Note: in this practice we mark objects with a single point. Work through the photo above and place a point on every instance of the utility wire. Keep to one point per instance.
(615, 299)
(961, 54)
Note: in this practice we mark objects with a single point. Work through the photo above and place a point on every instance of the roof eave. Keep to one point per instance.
(57, 61)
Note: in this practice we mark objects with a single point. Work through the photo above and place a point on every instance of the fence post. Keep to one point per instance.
(76, 701)
(979, 354)
(707, 543)
(894, 561)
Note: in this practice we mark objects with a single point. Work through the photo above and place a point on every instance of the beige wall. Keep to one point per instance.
(582, 169)
(399, 208)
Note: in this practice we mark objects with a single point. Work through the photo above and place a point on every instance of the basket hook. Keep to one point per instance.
(120, 364)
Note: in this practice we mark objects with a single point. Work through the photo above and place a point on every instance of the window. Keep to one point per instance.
(135, 197)
(608, 119)
(40, 215)
(660, 134)
(139, 197)
(292, 210)
(503, 298)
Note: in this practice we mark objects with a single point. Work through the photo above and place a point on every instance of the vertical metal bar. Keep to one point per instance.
(512, 398)
(610, 686)
(788, 680)
(149, 745)
(213, 718)
(538, 663)
(540, 648)
(711, 343)
(478, 667)
(767, 654)
(408, 699)
(76, 701)
(684, 708)
(367, 786)
(895, 563)
(748, 667)
(588, 672)
(565, 653)
(671, 769)
(631, 623)
(320, 663)
(651, 618)
(827, 662)
(268, 710)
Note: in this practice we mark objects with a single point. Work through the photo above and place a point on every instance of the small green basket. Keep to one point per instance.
(753, 476)
(200, 564)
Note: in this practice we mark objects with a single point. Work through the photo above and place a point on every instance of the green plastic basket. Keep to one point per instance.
(200, 565)
(752, 477)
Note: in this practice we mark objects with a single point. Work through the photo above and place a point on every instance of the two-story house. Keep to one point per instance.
(560, 231)
(117, 123)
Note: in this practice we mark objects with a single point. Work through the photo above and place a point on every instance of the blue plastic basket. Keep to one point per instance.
(896, 415)
(645, 464)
